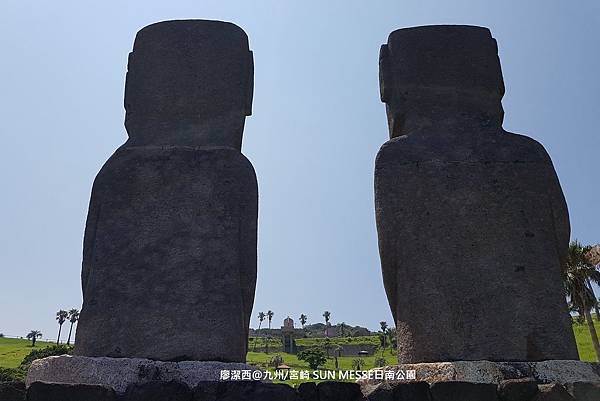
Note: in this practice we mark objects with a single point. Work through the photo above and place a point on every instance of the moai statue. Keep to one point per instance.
(471, 219)
(169, 258)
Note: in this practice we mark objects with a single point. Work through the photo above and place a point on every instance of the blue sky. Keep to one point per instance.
(316, 128)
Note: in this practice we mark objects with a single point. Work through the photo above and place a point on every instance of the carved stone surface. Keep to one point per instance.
(169, 259)
(471, 219)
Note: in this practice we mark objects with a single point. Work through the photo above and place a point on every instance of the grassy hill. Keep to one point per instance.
(13, 350)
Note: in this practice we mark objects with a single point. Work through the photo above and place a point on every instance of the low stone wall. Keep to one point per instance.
(271, 350)
(349, 349)
(509, 390)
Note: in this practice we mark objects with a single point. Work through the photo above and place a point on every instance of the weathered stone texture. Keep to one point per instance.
(515, 380)
(169, 264)
(584, 390)
(552, 392)
(69, 392)
(411, 391)
(462, 391)
(158, 391)
(120, 373)
(12, 391)
(334, 391)
(471, 219)
(517, 389)
(244, 390)
(308, 392)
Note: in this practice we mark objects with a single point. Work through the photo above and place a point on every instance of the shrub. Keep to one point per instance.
(52, 350)
(313, 356)
(379, 362)
(11, 375)
(276, 361)
(18, 374)
(358, 364)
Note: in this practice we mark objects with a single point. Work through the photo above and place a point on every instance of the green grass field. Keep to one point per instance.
(12, 351)
(261, 360)
(584, 341)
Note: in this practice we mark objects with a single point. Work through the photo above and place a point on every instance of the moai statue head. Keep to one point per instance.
(189, 83)
(426, 76)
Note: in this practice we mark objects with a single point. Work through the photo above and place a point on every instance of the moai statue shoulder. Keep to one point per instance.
(471, 219)
(169, 261)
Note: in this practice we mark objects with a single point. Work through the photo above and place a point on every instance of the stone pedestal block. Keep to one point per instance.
(486, 372)
(120, 373)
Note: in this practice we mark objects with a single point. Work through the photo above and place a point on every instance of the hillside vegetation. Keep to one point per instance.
(13, 350)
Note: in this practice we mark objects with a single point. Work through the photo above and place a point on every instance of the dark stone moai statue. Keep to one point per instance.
(471, 219)
(169, 259)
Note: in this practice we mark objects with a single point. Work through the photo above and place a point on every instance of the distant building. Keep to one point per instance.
(288, 323)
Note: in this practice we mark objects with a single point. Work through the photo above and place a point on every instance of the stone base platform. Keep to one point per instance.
(484, 372)
(78, 378)
(119, 373)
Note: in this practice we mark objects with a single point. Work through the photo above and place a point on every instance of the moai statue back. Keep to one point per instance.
(169, 260)
(471, 219)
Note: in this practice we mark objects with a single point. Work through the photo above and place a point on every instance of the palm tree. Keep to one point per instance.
(261, 317)
(358, 364)
(270, 317)
(384, 327)
(578, 274)
(73, 317)
(61, 316)
(327, 316)
(33, 336)
(575, 309)
(303, 320)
